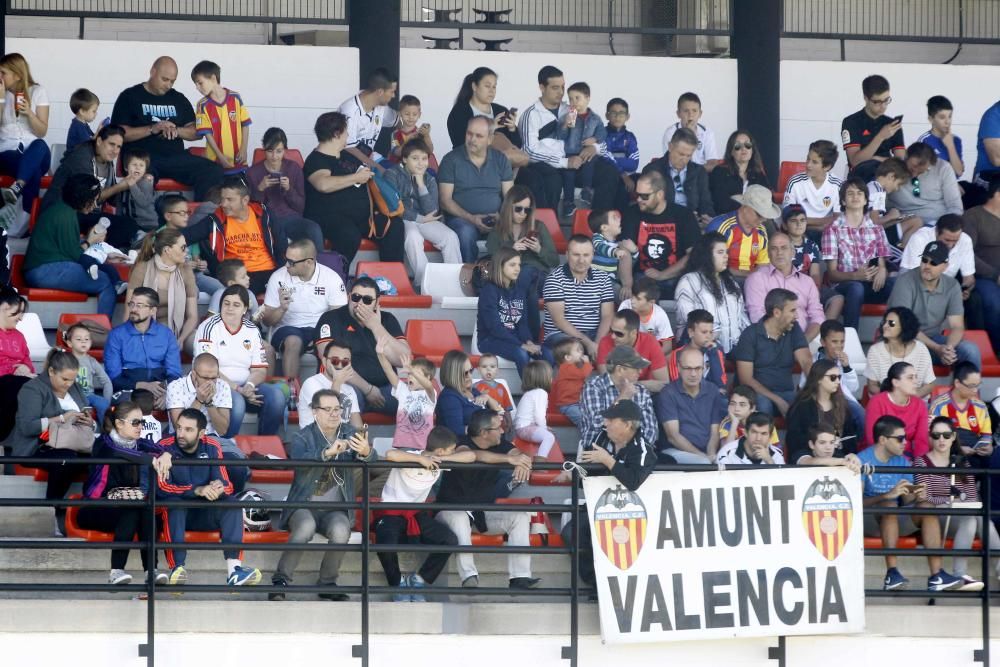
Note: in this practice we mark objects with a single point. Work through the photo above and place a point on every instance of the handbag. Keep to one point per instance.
(74, 437)
(473, 276)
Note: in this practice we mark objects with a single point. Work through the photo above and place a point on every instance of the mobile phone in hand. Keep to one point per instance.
(873, 262)
(898, 119)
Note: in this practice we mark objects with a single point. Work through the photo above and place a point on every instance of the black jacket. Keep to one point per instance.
(699, 199)
(723, 184)
(458, 121)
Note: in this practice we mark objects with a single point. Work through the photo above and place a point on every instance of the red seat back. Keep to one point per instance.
(394, 271)
(548, 217)
(787, 170)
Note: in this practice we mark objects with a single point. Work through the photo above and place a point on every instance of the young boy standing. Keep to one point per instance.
(814, 189)
(581, 128)
(946, 145)
(83, 104)
(222, 119)
(407, 130)
(652, 319)
(621, 143)
(140, 201)
(689, 114)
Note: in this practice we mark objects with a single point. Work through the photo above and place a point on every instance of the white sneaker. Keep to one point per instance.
(93, 271)
(970, 584)
(119, 578)
(159, 578)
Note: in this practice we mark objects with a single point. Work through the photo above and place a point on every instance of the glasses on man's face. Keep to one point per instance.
(296, 262)
(643, 196)
(132, 422)
(833, 377)
(942, 435)
(898, 438)
(885, 101)
(338, 362)
(973, 387)
(738, 146)
(137, 305)
(364, 298)
(330, 410)
(522, 209)
(617, 334)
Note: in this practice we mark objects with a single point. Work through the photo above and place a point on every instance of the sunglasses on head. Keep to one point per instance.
(337, 362)
(942, 435)
(522, 209)
(365, 298)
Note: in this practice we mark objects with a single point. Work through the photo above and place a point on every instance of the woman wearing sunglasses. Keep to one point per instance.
(821, 400)
(517, 228)
(898, 330)
(899, 398)
(741, 166)
(120, 439)
(335, 374)
(458, 400)
(943, 490)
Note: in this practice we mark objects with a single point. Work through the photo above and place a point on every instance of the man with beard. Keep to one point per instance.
(664, 232)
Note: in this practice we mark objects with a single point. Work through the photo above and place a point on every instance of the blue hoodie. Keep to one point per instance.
(502, 313)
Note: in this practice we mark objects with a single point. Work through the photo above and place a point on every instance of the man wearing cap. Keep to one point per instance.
(619, 382)
(623, 452)
(690, 409)
(744, 230)
(625, 333)
(781, 273)
(936, 299)
(768, 351)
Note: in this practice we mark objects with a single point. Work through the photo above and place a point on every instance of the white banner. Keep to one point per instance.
(743, 553)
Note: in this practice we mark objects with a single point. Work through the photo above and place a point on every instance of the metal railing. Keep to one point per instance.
(256, 11)
(945, 21)
(365, 590)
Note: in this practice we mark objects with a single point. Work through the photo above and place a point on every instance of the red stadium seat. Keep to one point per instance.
(433, 338)
(39, 293)
(265, 445)
(580, 225)
(170, 185)
(557, 419)
(542, 477)
(36, 209)
(293, 154)
(548, 217)
(873, 310)
(785, 172)
(73, 528)
(395, 272)
(981, 339)
(68, 319)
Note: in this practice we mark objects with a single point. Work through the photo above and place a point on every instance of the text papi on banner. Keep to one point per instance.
(742, 553)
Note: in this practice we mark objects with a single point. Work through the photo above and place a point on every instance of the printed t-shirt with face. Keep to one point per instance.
(662, 238)
(245, 241)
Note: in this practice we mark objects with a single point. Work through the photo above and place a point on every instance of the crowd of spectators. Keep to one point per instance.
(758, 294)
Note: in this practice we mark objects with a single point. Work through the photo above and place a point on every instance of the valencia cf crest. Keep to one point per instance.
(620, 526)
(246, 344)
(232, 116)
(827, 201)
(827, 514)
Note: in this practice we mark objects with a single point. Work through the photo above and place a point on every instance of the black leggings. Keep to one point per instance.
(10, 385)
(124, 522)
(345, 237)
(61, 476)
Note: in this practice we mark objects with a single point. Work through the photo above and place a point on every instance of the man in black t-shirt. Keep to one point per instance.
(664, 233)
(361, 324)
(158, 119)
(464, 487)
(869, 135)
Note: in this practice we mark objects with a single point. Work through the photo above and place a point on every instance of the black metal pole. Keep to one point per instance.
(150, 647)
(3, 26)
(572, 651)
(373, 29)
(983, 655)
(756, 43)
(361, 651)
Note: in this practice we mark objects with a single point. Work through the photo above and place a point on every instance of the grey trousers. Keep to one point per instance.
(302, 525)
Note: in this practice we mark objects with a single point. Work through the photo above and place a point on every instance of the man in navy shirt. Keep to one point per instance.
(882, 489)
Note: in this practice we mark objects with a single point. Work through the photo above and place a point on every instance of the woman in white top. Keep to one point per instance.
(709, 285)
(899, 343)
(24, 122)
(236, 343)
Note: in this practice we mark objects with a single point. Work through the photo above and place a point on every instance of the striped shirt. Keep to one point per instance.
(746, 251)
(225, 122)
(939, 486)
(817, 202)
(582, 299)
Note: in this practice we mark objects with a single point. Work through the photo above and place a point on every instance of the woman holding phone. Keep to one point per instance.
(475, 98)
(24, 122)
(279, 184)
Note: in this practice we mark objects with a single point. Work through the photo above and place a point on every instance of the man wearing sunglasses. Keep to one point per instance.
(625, 333)
(360, 325)
(297, 295)
(663, 231)
(891, 489)
(335, 374)
(936, 299)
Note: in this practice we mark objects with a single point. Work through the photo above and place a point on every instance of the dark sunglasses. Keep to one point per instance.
(943, 435)
(644, 195)
(928, 260)
(368, 300)
(833, 377)
(522, 209)
(295, 262)
(897, 438)
(889, 323)
(337, 362)
(132, 422)
(738, 146)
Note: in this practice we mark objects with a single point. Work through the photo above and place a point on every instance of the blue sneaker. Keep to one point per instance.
(942, 581)
(402, 597)
(416, 581)
(243, 576)
(894, 581)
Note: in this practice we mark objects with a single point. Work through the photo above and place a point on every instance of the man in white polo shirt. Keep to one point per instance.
(297, 295)
(202, 389)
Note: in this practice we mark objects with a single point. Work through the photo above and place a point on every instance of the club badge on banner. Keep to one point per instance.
(742, 553)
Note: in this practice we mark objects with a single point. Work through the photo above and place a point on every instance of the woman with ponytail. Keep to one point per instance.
(162, 266)
(475, 98)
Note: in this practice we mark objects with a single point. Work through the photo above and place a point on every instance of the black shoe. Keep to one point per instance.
(334, 597)
(524, 582)
(279, 595)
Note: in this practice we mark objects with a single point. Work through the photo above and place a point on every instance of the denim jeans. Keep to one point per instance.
(29, 167)
(573, 413)
(468, 237)
(73, 277)
(100, 405)
(856, 293)
(965, 351)
(765, 405)
(514, 353)
(270, 415)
